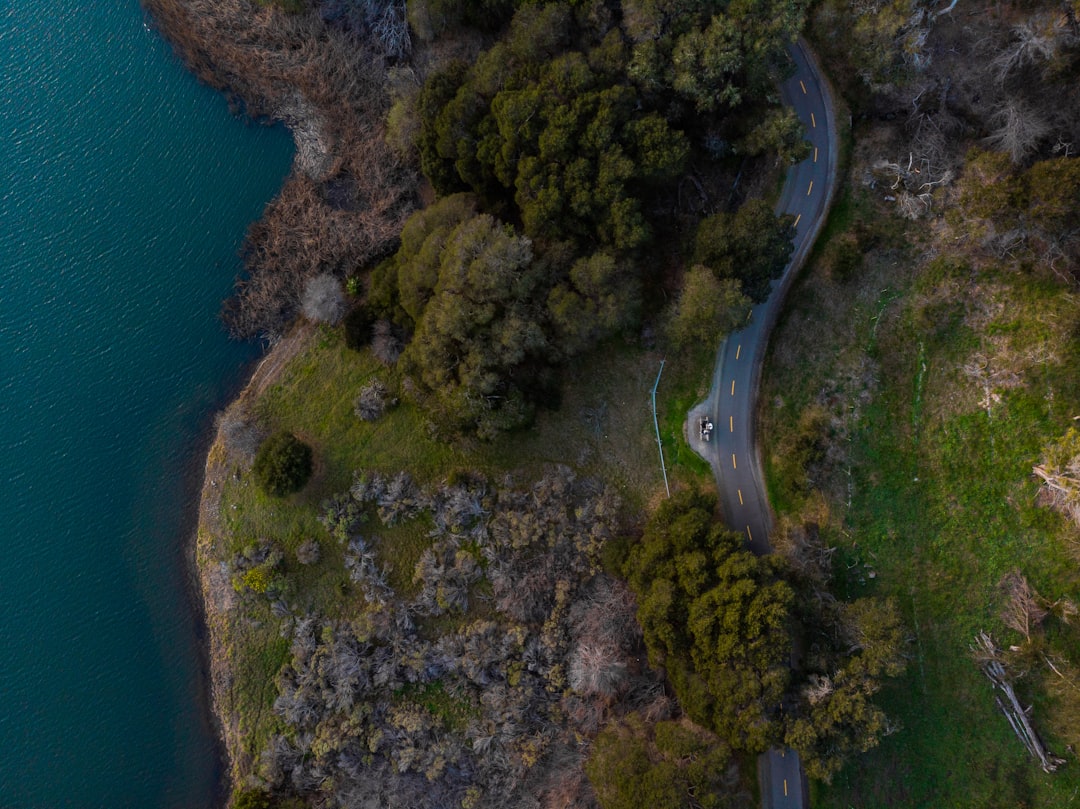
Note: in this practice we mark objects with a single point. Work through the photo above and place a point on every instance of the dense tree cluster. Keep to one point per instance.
(558, 132)
(467, 286)
(716, 618)
(720, 620)
(530, 646)
(751, 245)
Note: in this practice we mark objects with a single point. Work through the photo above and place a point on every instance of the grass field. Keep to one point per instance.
(940, 386)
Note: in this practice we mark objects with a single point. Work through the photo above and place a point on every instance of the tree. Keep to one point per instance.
(468, 285)
(537, 126)
(836, 718)
(1019, 129)
(600, 297)
(752, 245)
(779, 132)
(667, 765)
(282, 465)
(707, 309)
(705, 65)
(716, 617)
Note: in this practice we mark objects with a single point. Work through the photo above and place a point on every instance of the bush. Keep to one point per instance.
(374, 400)
(251, 799)
(282, 464)
(323, 301)
(844, 257)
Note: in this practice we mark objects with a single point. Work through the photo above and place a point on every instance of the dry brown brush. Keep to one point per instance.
(348, 195)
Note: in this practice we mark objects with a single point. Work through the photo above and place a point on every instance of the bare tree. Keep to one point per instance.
(1036, 39)
(1020, 129)
(374, 400)
(323, 300)
(1024, 609)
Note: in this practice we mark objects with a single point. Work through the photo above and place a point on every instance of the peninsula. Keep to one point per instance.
(439, 562)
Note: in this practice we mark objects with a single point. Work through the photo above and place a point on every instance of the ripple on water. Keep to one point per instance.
(124, 195)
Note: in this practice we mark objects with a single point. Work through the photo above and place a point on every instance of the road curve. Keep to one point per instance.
(731, 405)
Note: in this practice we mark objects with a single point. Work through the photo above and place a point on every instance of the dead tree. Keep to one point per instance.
(989, 658)
(1025, 609)
(1019, 129)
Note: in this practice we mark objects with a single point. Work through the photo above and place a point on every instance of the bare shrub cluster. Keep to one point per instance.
(345, 201)
(374, 400)
(534, 648)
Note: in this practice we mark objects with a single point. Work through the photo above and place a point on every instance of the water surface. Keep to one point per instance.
(125, 192)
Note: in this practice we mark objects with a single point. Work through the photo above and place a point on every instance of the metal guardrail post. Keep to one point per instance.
(656, 424)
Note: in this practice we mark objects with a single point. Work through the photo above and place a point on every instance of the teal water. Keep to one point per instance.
(125, 190)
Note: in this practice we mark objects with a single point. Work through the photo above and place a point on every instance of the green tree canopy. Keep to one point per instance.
(467, 283)
(837, 717)
(569, 144)
(282, 465)
(716, 617)
(752, 244)
(669, 765)
(707, 309)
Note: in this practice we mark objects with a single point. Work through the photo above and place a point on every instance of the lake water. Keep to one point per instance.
(126, 189)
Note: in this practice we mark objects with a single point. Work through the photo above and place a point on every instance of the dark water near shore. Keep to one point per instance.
(125, 192)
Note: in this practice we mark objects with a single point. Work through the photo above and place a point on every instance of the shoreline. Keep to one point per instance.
(211, 596)
(193, 482)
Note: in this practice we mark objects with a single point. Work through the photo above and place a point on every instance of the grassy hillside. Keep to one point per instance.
(922, 389)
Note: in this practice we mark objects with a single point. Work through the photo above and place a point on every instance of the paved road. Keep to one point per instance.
(732, 401)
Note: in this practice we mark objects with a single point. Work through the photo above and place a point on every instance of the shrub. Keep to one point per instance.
(308, 552)
(282, 464)
(324, 301)
(386, 344)
(251, 799)
(374, 400)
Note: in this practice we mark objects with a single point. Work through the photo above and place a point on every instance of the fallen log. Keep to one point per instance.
(988, 654)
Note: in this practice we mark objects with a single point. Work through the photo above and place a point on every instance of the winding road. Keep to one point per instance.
(731, 405)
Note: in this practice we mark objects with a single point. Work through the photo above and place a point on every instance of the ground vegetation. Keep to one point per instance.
(921, 373)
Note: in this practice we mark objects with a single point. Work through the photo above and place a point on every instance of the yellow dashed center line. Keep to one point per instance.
(740, 496)
(797, 218)
(733, 466)
(731, 423)
(811, 188)
(815, 154)
(803, 86)
(751, 538)
(738, 349)
(813, 121)
(785, 786)
(732, 387)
